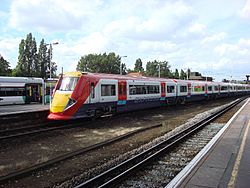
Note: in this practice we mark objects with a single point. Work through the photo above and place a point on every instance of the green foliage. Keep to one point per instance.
(183, 75)
(152, 69)
(176, 74)
(188, 74)
(4, 67)
(43, 59)
(130, 70)
(33, 62)
(101, 63)
(138, 66)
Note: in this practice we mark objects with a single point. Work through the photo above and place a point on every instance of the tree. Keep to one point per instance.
(176, 74)
(188, 73)
(183, 75)
(130, 70)
(30, 51)
(165, 69)
(153, 69)
(20, 69)
(4, 67)
(31, 62)
(101, 63)
(138, 66)
(27, 60)
(42, 59)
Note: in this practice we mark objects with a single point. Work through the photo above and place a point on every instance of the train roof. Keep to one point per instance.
(141, 78)
(117, 76)
(6, 79)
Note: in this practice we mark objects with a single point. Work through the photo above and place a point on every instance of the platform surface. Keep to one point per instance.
(227, 164)
(16, 109)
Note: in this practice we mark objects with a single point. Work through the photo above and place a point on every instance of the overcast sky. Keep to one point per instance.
(209, 36)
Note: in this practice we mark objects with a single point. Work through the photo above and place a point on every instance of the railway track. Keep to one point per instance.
(49, 163)
(114, 175)
(10, 132)
(31, 130)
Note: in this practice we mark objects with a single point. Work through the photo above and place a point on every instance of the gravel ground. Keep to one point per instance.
(163, 170)
(19, 153)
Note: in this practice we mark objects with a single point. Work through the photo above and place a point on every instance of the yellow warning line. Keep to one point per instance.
(234, 174)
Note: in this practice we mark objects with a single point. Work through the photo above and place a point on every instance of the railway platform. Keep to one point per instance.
(225, 161)
(19, 109)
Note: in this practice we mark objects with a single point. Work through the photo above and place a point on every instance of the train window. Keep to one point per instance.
(216, 88)
(108, 90)
(198, 88)
(153, 89)
(209, 88)
(143, 89)
(183, 89)
(171, 89)
(224, 88)
(68, 83)
(11, 91)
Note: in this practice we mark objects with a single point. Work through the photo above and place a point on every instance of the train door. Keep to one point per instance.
(33, 93)
(206, 88)
(27, 94)
(189, 89)
(93, 96)
(163, 89)
(122, 92)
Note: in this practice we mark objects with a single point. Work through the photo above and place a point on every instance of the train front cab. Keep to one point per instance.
(66, 96)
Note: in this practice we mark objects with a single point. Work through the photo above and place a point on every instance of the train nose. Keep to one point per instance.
(59, 102)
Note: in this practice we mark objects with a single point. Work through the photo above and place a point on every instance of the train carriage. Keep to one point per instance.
(80, 95)
(20, 90)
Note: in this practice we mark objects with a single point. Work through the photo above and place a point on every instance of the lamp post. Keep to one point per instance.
(50, 67)
(159, 70)
(121, 64)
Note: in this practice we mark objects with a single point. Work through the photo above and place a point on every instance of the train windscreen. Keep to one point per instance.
(68, 83)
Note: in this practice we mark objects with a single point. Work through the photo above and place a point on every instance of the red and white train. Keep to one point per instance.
(78, 95)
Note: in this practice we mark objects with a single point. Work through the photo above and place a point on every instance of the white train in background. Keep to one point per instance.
(20, 90)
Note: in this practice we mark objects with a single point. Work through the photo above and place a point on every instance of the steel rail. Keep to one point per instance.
(31, 130)
(27, 171)
(115, 174)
